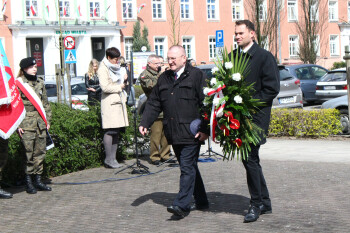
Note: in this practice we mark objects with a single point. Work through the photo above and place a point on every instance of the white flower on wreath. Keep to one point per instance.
(238, 99)
(213, 81)
(216, 101)
(220, 113)
(214, 70)
(228, 65)
(205, 102)
(236, 77)
(207, 90)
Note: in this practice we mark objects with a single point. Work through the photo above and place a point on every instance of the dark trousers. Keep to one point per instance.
(191, 182)
(259, 193)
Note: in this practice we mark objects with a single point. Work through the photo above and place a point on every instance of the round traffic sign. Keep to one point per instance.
(69, 42)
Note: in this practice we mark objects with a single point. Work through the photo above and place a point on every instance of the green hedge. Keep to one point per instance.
(304, 123)
(78, 143)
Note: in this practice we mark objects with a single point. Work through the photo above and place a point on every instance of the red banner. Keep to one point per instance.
(11, 115)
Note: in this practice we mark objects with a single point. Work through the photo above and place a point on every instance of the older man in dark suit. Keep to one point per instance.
(265, 76)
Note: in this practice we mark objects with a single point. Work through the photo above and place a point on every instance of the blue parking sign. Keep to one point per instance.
(219, 39)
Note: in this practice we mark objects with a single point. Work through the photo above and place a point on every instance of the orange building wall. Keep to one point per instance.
(6, 34)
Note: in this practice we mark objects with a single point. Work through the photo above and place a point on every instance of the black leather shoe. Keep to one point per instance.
(195, 206)
(5, 195)
(252, 215)
(265, 209)
(170, 161)
(157, 162)
(29, 185)
(177, 211)
(40, 185)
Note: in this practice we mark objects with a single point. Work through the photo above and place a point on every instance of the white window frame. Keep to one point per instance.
(128, 48)
(188, 3)
(334, 45)
(234, 44)
(164, 44)
(294, 44)
(314, 12)
(292, 10)
(348, 11)
(69, 10)
(100, 10)
(192, 47)
(266, 42)
(317, 44)
(333, 10)
(215, 5)
(131, 9)
(239, 5)
(162, 5)
(212, 48)
(262, 11)
(38, 9)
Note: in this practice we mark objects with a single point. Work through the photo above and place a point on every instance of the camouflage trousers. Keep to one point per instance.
(34, 143)
(3, 154)
(159, 148)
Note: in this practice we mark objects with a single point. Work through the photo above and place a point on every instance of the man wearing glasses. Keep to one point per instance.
(179, 94)
(159, 148)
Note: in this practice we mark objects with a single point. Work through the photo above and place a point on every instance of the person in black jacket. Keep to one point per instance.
(263, 72)
(92, 83)
(179, 94)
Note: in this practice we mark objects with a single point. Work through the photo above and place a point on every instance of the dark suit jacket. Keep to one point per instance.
(264, 73)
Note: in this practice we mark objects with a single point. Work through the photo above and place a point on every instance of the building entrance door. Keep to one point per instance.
(98, 48)
(35, 49)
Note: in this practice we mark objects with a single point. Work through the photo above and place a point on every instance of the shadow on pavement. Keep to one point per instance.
(219, 202)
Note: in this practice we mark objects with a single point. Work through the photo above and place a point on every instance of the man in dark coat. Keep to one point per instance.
(264, 73)
(179, 94)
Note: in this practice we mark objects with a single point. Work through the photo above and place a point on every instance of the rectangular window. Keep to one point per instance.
(212, 48)
(158, 8)
(348, 11)
(32, 8)
(292, 10)
(188, 44)
(262, 10)
(213, 9)
(237, 9)
(128, 48)
(265, 42)
(314, 12)
(235, 45)
(160, 46)
(65, 9)
(293, 46)
(334, 45)
(316, 42)
(333, 10)
(186, 9)
(95, 9)
(129, 9)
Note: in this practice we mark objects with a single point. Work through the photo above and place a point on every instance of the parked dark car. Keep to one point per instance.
(332, 85)
(308, 74)
(340, 103)
(290, 95)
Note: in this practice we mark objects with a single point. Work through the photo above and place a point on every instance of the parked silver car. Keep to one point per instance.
(340, 103)
(78, 90)
(332, 85)
(290, 95)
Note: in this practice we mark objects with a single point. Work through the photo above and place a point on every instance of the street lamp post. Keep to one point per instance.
(347, 59)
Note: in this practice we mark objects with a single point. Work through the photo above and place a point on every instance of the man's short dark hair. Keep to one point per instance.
(247, 23)
(112, 52)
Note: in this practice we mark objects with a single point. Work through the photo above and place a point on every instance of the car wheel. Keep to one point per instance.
(344, 120)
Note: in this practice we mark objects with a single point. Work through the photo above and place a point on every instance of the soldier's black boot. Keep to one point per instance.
(4, 194)
(29, 185)
(39, 184)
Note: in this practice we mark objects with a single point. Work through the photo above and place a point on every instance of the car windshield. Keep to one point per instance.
(51, 90)
(285, 75)
(79, 89)
(336, 76)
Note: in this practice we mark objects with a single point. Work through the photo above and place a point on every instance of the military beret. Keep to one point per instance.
(26, 62)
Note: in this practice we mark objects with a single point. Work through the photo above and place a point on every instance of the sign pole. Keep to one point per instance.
(347, 59)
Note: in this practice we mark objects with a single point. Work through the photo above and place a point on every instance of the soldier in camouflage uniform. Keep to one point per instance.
(159, 148)
(32, 130)
(3, 160)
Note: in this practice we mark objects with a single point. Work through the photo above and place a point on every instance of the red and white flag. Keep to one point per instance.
(13, 112)
(4, 7)
(32, 9)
